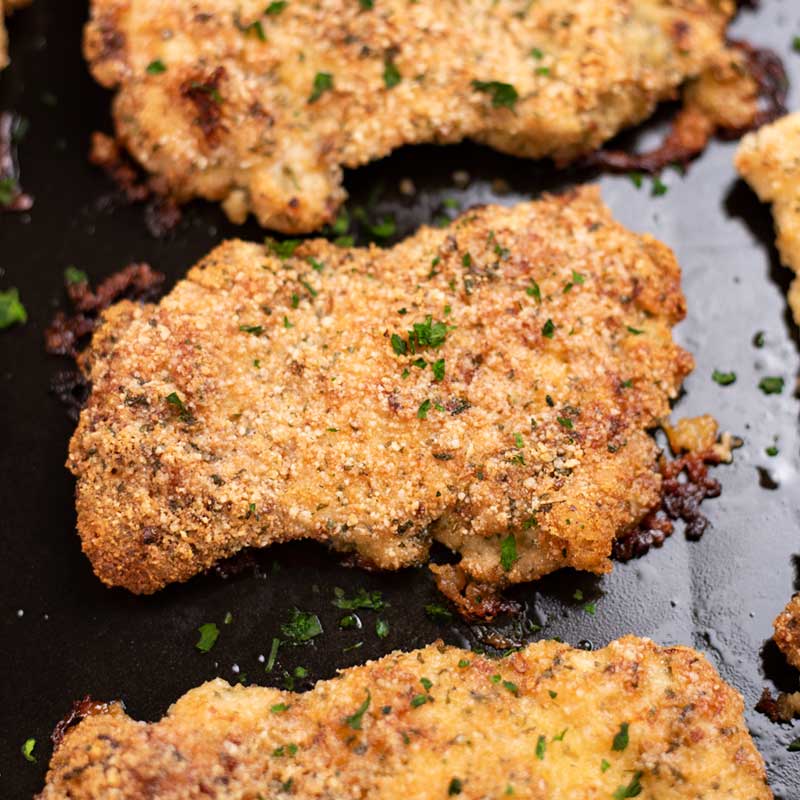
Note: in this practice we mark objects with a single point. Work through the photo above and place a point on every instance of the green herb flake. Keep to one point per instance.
(772, 451)
(424, 407)
(438, 613)
(382, 628)
(560, 737)
(464, 662)
(419, 700)
(534, 291)
(634, 331)
(323, 82)
(541, 746)
(275, 8)
(723, 378)
(659, 187)
(548, 329)
(794, 747)
(354, 720)
(504, 95)
(438, 369)
(455, 787)
(174, 400)
(366, 5)
(284, 249)
(279, 708)
(590, 608)
(512, 687)
(565, 422)
(552, 694)
(208, 637)
(27, 750)
(73, 275)
(633, 789)
(604, 766)
(537, 53)
(636, 179)
(426, 683)
(11, 309)
(8, 191)
(796, 44)
(508, 552)
(621, 738)
(391, 75)
(256, 330)
(362, 599)
(273, 655)
(156, 67)
(399, 345)
(302, 627)
(317, 266)
(768, 385)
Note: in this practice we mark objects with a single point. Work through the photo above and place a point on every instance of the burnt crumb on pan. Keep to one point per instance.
(685, 484)
(694, 125)
(472, 599)
(81, 709)
(68, 333)
(12, 128)
(162, 213)
(237, 564)
(768, 706)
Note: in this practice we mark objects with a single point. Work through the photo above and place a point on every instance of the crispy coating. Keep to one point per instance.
(769, 160)
(238, 109)
(787, 631)
(438, 722)
(294, 416)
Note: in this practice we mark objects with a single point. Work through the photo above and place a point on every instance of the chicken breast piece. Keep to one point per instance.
(769, 160)
(787, 631)
(490, 385)
(260, 105)
(549, 721)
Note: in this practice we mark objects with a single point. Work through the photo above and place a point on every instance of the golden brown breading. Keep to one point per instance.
(7, 7)
(264, 400)
(261, 110)
(787, 631)
(769, 160)
(549, 721)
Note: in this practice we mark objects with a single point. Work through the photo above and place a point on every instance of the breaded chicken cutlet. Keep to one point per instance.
(260, 105)
(787, 631)
(489, 386)
(632, 719)
(769, 160)
(6, 7)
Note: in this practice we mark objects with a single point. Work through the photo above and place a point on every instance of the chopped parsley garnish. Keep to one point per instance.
(317, 266)
(256, 28)
(636, 179)
(560, 736)
(419, 700)
(426, 684)
(564, 422)
(382, 628)
(350, 621)
(542, 70)
(273, 654)
(283, 750)
(27, 750)
(503, 94)
(635, 331)
(796, 44)
(534, 291)
(354, 720)
(362, 599)
(548, 329)
(424, 407)
(438, 613)
(633, 789)
(11, 309)
(541, 746)
(438, 369)
(323, 82)
(590, 608)
(463, 663)
(455, 787)
(759, 338)
(208, 637)
(794, 747)
(512, 687)
(256, 330)
(772, 450)
(659, 187)
(578, 595)
(537, 54)
(519, 442)
(604, 766)
(552, 694)
(156, 67)
(723, 378)
(275, 8)
(391, 75)
(399, 344)
(366, 5)
(286, 323)
(577, 280)
(302, 627)
(284, 249)
(73, 275)
(279, 708)
(621, 738)
(466, 260)
(183, 413)
(768, 385)
(8, 190)
(508, 552)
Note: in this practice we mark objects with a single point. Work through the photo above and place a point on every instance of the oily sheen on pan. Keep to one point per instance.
(260, 105)
(490, 386)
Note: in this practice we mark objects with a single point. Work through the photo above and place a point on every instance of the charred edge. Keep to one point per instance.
(81, 709)
(691, 130)
(71, 388)
(162, 213)
(473, 600)
(66, 333)
(768, 706)
(766, 68)
(244, 561)
(9, 165)
(680, 499)
(204, 94)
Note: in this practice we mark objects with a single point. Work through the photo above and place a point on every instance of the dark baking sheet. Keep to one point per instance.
(65, 636)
